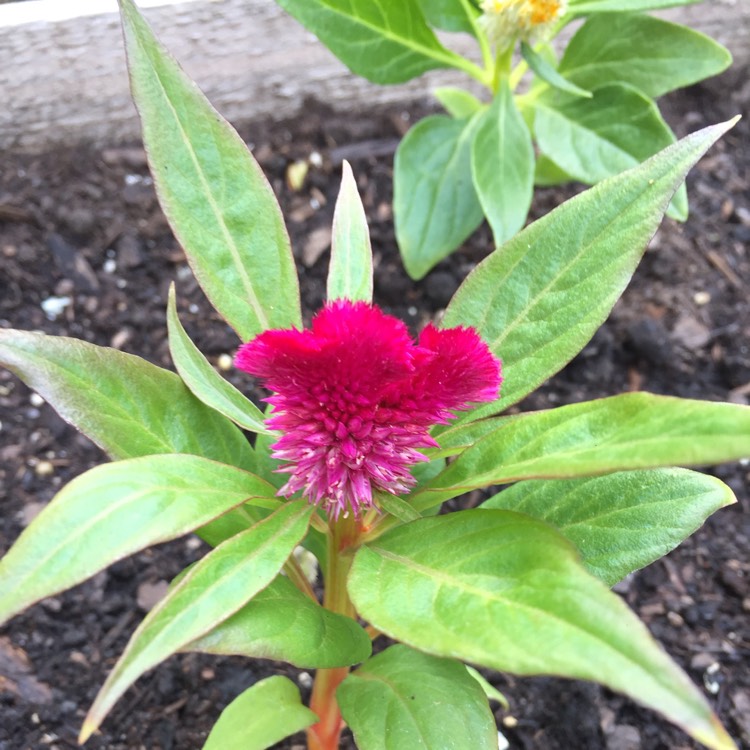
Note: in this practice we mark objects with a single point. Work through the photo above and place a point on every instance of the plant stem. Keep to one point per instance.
(342, 542)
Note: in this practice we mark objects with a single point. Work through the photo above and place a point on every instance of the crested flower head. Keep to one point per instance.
(354, 398)
(529, 20)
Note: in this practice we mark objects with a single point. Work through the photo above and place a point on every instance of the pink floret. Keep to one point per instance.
(354, 399)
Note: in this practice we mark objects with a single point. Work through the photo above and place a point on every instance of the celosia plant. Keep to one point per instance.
(350, 463)
(583, 118)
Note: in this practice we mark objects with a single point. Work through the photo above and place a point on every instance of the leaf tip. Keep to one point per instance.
(88, 728)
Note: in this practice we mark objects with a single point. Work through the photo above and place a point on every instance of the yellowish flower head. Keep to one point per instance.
(529, 20)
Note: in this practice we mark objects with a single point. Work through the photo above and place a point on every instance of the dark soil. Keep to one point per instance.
(84, 224)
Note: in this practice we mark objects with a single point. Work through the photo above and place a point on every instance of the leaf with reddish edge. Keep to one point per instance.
(213, 590)
(506, 591)
(632, 431)
(539, 298)
(218, 202)
(115, 510)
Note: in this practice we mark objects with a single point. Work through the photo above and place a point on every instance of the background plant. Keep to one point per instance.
(519, 584)
(583, 118)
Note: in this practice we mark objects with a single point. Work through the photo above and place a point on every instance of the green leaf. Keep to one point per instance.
(538, 299)
(502, 165)
(383, 42)
(397, 507)
(624, 521)
(584, 7)
(203, 381)
(405, 699)
(283, 624)
(449, 15)
(632, 431)
(434, 202)
(218, 202)
(261, 716)
(548, 174)
(350, 272)
(114, 510)
(548, 73)
(456, 438)
(592, 139)
(506, 591)
(458, 103)
(126, 405)
(214, 589)
(653, 55)
(489, 690)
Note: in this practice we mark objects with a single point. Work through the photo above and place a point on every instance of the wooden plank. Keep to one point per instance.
(64, 80)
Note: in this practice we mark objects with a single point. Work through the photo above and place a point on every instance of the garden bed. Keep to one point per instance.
(86, 252)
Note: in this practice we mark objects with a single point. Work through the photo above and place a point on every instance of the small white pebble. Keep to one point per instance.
(224, 362)
(44, 469)
(510, 722)
(502, 743)
(316, 160)
(314, 203)
(35, 399)
(193, 308)
(412, 311)
(54, 306)
(701, 298)
(109, 265)
(304, 680)
(121, 283)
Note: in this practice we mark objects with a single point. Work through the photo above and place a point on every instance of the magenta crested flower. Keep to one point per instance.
(355, 397)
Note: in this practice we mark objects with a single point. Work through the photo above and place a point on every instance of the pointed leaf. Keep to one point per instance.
(203, 381)
(213, 590)
(548, 73)
(632, 431)
(126, 405)
(506, 591)
(620, 522)
(218, 202)
(538, 299)
(261, 716)
(350, 272)
(592, 139)
(434, 202)
(398, 699)
(383, 42)
(114, 510)
(502, 165)
(283, 624)
(653, 55)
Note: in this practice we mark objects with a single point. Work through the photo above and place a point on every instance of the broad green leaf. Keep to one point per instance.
(506, 591)
(218, 202)
(213, 590)
(350, 272)
(538, 299)
(261, 716)
(126, 405)
(449, 15)
(114, 510)
(397, 507)
(624, 521)
(458, 103)
(283, 624)
(502, 165)
(584, 7)
(632, 431)
(203, 381)
(592, 139)
(653, 55)
(456, 438)
(383, 42)
(434, 202)
(402, 698)
(548, 73)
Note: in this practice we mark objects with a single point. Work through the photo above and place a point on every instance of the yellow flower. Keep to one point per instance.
(530, 20)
